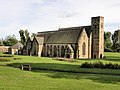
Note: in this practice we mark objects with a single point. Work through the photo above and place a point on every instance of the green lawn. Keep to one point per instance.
(53, 77)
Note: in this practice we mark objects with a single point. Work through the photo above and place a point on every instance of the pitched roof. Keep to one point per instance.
(67, 35)
(40, 40)
(45, 34)
(88, 30)
(17, 46)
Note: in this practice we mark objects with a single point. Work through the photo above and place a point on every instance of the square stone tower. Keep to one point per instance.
(97, 26)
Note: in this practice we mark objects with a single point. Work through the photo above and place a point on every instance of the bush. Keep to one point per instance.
(4, 59)
(87, 65)
(109, 65)
(100, 65)
(6, 55)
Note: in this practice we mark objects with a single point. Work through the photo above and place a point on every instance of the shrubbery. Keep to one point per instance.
(6, 55)
(100, 65)
(4, 59)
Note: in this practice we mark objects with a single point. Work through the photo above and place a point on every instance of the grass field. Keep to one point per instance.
(50, 74)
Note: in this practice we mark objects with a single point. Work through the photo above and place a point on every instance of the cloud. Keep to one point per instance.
(41, 15)
(67, 14)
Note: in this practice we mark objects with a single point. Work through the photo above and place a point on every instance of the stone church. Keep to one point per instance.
(72, 42)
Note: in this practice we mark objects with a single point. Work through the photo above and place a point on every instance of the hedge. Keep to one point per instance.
(100, 65)
(4, 59)
(6, 55)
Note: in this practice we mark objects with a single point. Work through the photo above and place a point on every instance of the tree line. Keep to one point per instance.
(12, 40)
(111, 41)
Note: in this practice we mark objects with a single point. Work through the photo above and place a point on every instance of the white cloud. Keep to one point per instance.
(40, 15)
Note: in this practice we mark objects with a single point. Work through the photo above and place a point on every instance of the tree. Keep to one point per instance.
(1, 42)
(10, 40)
(33, 35)
(24, 35)
(27, 34)
(107, 41)
(116, 40)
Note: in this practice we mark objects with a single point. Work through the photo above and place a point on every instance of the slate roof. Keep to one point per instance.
(46, 34)
(40, 40)
(66, 35)
(17, 46)
(88, 30)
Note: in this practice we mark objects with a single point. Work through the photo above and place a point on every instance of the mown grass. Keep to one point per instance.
(12, 78)
(15, 79)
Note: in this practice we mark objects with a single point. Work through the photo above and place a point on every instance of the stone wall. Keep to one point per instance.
(97, 37)
(83, 45)
(59, 50)
(4, 48)
(40, 50)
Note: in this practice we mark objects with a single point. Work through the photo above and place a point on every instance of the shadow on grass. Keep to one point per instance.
(54, 70)
(112, 58)
(94, 77)
(106, 79)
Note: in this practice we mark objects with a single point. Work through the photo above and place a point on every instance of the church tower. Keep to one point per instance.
(97, 26)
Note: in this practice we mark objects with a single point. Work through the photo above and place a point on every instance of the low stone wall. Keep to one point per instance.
(4, 48)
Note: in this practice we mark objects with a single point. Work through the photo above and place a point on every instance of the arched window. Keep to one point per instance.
(68, 52)
(51, 51)
(58, 51)
(84, 49)
(62, 51)
(48, 50)
(55, 51)
(94, 56)
(100, 55)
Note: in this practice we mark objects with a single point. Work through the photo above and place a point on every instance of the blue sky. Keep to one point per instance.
(47, 15)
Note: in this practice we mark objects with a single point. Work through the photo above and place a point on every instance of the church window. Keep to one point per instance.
(58, 51)
(83, 48)
(95, 26)
(66, 49)
(100, 55)
(48, 50)
(62, 51)
(55, 51)
(101, 26)
(51, 50)
(68, 52)
(94, 56)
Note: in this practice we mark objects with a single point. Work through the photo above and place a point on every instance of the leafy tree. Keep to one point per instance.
(1, 42)
(24, 35)
(107, 41)
(116, 40)
(27, 34)
(10, 40)
(33, 35)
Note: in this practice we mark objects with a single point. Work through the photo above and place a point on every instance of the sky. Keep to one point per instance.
(48, 15)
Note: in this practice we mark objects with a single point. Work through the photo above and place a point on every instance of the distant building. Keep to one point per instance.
(4, 48)
(73, 42)
(16, 49)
